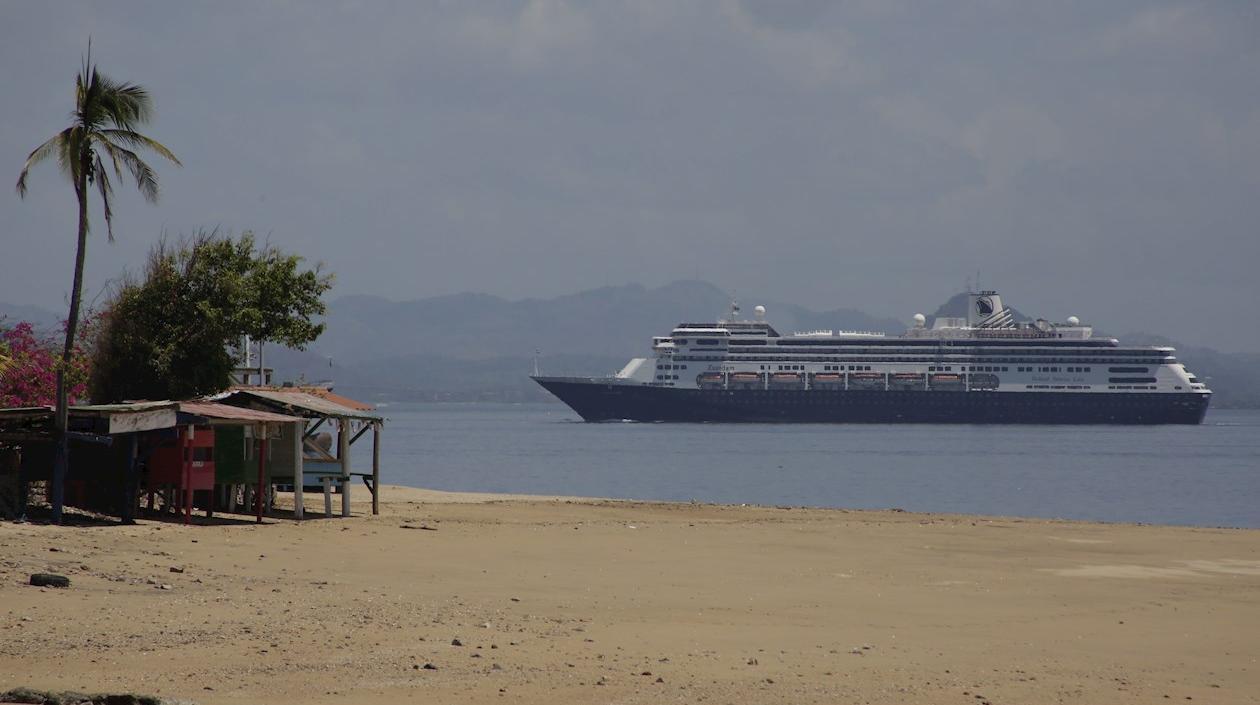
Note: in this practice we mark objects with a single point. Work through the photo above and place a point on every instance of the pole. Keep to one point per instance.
(343, 453)
(262, 460)
(127, 515)
(376, 467)
(298, 427)
(187, 445)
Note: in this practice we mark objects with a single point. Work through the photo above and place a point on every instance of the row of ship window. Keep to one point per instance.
(826, 368)
(954, 351)
(896, 359)
(671, 367)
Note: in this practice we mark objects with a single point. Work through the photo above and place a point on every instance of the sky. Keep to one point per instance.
(1097, 159)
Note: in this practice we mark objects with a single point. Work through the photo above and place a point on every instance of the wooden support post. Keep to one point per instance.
(188, 476)
(131, 479)
(261, 495)
(343, 454)
(298, 426)
(376, 467)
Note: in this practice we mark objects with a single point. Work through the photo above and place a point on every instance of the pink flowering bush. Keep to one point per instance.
(28, 366)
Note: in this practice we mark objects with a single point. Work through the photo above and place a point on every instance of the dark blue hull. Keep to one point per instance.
(596, 400)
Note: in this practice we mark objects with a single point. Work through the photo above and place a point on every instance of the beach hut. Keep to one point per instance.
(105, 442)
(244, 455)
(320, 451)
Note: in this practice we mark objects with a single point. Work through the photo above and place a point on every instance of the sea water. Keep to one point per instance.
(1206, 475)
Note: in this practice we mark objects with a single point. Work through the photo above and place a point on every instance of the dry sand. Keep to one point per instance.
(588, 601)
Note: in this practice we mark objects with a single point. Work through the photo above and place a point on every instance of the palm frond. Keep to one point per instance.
(106, 190)
(112, 151)
(123, 104)
(134, 139)
(38, 155)
(106, 113)
(146, 179)
(68, 154)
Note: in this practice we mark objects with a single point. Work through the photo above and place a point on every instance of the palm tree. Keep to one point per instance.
(106, 115)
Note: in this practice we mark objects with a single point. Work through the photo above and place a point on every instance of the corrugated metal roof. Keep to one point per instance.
(215, 410)
(124, 408)
(321, 392)
(335, 398)
(131, 417)
(91, 409)
(305, 402)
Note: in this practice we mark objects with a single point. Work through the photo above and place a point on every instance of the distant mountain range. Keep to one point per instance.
(41, 318)
(470, 347)
(475, 346)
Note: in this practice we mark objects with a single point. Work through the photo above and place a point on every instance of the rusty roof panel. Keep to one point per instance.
(226, 412)
(339, 399)
(304, 402)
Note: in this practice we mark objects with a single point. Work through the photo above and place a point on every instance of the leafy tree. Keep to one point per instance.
(168, 336)
(104, 121)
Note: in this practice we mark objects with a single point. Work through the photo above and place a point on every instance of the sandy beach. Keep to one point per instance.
(448, 598)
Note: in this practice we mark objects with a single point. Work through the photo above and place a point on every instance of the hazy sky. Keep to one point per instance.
(1092, 158)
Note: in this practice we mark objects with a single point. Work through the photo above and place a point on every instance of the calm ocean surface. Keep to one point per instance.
(1205, 475)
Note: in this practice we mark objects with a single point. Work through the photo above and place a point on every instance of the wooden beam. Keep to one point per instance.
(311, 431)
(360, 433)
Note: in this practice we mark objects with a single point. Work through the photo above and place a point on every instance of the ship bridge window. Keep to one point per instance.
(680, 341)
(707, 341)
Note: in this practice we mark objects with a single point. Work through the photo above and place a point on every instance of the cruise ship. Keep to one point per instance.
(983, 368)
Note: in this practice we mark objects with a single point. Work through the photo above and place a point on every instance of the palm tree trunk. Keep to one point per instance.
(61, 453)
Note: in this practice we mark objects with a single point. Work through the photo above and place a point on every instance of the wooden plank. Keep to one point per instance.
(133, 421)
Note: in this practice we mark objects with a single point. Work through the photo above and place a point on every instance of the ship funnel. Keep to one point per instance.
(985, 310)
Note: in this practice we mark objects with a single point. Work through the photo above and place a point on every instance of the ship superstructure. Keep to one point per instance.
(984, 367)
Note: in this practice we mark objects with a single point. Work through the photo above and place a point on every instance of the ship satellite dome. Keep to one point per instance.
(1073, 321)
(760, 311)
(920, 320)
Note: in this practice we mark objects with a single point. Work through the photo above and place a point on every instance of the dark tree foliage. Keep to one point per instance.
(169, 335)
